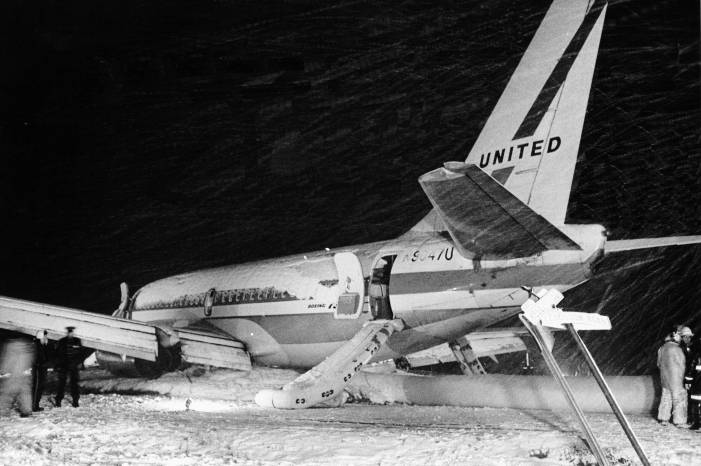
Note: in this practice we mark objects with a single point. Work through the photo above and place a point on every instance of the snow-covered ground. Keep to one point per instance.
(136, 421)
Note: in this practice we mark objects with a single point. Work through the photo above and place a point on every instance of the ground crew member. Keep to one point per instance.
(15, 358)
(41, 363)
(69, 356)
(693, 382)
(672, 363)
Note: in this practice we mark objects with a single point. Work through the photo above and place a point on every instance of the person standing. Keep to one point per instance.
(693, 382)
(41, 362)
(15, 359)
(69, 356)
(672, 364)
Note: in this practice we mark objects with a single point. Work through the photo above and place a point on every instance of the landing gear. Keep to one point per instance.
(465, 356)
(527, 368)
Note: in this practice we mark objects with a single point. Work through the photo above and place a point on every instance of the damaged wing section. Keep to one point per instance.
(105, 333)
(200, 347)
(484, 218)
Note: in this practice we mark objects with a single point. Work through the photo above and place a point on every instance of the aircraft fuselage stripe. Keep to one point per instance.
(512, 277)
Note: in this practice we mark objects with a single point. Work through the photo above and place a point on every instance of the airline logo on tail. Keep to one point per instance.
(517, 151)
(541, 104)
(543, 108)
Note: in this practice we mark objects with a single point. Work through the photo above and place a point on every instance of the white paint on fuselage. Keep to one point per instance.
(305, 273)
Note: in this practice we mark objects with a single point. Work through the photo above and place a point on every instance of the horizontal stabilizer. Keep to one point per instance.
(100, 332)
(645, 243)
(197, 347)
(484, 218)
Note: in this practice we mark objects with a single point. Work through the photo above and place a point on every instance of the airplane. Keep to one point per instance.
(497, 223)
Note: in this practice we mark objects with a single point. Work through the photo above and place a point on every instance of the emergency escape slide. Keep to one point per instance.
(326, 381)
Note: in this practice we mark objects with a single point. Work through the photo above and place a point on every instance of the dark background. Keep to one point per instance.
(140, 139)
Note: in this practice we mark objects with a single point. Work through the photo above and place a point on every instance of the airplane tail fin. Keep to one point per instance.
(531, 140)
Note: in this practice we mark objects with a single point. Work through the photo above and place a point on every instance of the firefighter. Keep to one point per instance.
(672, 364)
(693, 383)
(686, 335)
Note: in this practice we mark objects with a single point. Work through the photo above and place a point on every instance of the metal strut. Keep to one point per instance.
(609, 395)
(541, 310)
(536, 330)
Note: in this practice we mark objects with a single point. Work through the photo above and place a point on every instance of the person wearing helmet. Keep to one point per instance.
(672, 364)
(686, 335)
(41, 362)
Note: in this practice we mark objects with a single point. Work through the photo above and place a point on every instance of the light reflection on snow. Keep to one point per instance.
(197, 405)
(144, 422)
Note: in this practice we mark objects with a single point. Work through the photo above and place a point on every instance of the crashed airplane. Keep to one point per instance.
(497, 224)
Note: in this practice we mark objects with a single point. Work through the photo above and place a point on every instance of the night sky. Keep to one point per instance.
(140, 139)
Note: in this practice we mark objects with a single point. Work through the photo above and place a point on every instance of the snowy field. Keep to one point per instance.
(140, 422)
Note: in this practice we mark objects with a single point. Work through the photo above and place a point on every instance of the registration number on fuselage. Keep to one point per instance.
(438, 254)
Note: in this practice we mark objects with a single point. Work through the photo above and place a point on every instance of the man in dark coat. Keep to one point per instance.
(41, 363)
(69, 356)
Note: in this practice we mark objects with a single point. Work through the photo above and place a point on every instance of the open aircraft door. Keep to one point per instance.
(351, 286)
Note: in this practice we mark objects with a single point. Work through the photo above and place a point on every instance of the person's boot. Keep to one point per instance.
(695, 416)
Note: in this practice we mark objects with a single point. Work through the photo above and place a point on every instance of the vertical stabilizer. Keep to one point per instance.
(531, 140)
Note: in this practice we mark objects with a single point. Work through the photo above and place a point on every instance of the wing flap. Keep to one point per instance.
(200, 347)
(484, 218)
(105, 333)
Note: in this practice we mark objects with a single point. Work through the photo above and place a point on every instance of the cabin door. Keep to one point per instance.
(379, 288)
(351, 286)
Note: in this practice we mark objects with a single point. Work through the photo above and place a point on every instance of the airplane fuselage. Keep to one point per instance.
(295, 311)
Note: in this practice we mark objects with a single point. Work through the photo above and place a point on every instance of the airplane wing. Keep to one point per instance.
(106, 333)
(645, 243)
(488, 342)
(120, 336)
(211, 349)
(484, 218)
